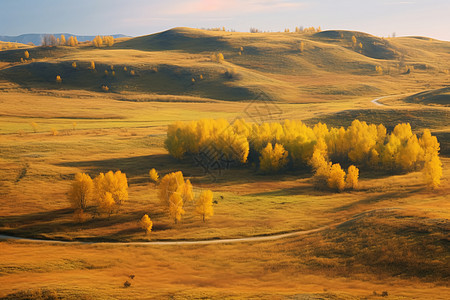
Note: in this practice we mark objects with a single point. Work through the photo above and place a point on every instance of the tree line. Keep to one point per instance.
(293, 145)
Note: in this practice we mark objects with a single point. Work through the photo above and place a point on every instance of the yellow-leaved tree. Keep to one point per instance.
(176, 207)
(153, 175)
(336, 178)
(97, 41)
(62, 40)
(204, 205)
(319, 163)
(81, 191)
(26, 54)
(351, 181)
(146, 223)
(168, 185)
(108, 40)
(111, 190)
(174, 192)
(186, 191)
(432, 171)
(72, 41)
(273, 159)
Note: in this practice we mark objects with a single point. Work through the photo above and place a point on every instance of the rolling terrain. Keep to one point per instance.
(386, 240)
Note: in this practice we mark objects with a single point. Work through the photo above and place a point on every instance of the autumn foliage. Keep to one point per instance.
(153, 175)
(175, 193)
(146, 223)
(100, 41)
(111, 190)
(273, 159)
(204, 205)
(297, 145)
(81, 191)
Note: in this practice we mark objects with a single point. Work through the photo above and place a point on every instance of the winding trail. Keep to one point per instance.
(174, 243)
(375, 101)
(260, 238)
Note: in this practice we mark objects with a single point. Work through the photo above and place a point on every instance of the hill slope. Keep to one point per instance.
(36, 38)
(290, 67)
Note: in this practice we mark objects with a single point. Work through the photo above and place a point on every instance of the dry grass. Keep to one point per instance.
(400, 248)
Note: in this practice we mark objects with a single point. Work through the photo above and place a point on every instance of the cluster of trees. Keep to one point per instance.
(311, 29)
(217, 57)
(100, 41)
(107, 192)
(51, 40)
(175, 193)
(292, 144)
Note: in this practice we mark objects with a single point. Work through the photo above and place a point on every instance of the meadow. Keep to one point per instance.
(390, 235)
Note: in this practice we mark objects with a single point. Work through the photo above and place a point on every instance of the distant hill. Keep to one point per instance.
(290, 67)
(36, 38)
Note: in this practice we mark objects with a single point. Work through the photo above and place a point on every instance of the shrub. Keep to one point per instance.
(58, 79)
(146, 223)
(153, 175)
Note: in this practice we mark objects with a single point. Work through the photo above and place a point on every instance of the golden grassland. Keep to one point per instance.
(397, 240)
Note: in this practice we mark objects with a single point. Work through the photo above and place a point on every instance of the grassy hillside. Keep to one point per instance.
(437, 96)
(178, 62)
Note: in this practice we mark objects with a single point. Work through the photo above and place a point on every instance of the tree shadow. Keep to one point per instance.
(61, 221)
(136, 167)
(378, 198)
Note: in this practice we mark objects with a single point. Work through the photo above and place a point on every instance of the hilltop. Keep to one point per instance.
(289, 67)
(36, 38)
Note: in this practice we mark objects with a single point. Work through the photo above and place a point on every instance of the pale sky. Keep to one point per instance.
(429, 18)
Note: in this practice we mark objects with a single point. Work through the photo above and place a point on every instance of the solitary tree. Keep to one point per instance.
(204, 205)
(81, 191)
(146, 223)
(26, 54)
(153, 175)
(302, 46)
(62, 40)
(58, 79)
(92, 65)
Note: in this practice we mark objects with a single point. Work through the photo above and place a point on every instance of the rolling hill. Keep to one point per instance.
(36, 38)
(178, 62)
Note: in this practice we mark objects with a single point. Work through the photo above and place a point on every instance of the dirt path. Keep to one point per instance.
(375, 101)
(168, 243)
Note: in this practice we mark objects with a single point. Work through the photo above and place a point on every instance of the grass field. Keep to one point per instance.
(395, 239)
